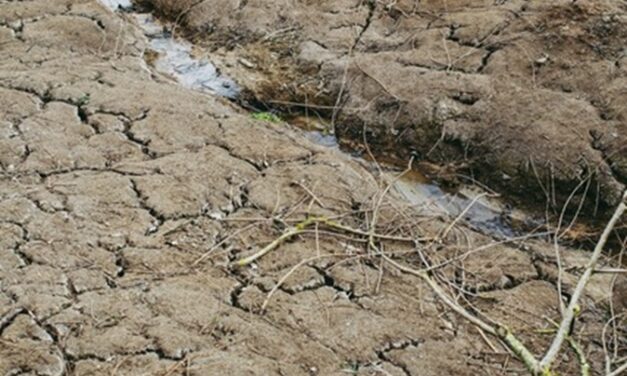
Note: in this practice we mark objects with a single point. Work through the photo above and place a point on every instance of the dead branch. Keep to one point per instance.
(618, 371)
(573, 305)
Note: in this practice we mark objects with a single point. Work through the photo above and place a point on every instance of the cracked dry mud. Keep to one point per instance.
(527, 96)
(115, 181)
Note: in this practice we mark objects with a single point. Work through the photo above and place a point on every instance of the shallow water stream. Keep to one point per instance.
(485, 214)
(175, 58)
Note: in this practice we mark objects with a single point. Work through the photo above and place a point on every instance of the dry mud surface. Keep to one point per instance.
(528, 96)
(124, 197)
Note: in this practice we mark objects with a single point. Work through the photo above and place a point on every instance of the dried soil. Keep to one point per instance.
(114, 181)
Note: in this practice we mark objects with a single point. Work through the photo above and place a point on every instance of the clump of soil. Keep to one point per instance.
(525, 96)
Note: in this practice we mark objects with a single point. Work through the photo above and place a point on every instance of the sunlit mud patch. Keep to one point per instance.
(174, 57)
(483, 213)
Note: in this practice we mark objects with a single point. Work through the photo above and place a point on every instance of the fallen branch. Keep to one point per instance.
(610, 271)
(498, 330)
(302, 226)
(573, 305)
(618, 371)
(291, 232)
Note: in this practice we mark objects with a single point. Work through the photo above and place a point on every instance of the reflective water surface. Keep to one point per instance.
(174, 55)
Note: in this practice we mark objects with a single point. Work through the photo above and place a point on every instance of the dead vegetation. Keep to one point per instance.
(453, 294)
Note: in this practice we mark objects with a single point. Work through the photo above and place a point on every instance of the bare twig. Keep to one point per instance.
(573, 306)
(288, 234)
(610, 271)
(301, 228)
(581, 356)
(461, 215)
(556, 238)
(210, 251)
(618, 371)
(381, 84)
(375, 213)
(311, 193)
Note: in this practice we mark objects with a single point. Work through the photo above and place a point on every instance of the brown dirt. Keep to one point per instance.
(114, 180)
(527, 96)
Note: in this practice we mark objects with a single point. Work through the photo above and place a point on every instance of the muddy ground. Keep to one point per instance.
(124, 198)
(526, 96)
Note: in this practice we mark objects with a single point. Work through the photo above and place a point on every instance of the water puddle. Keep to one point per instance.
(316, 130)
(481, 212)
(175, 58)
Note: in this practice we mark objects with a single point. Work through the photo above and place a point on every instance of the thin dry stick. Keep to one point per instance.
(443, 296)
(381, 84)
(182, 14)
(581, 356)
(461, 215)
(174, 368)
(487, 340)
(618, 371)
(375, 213)
(275, 243)
(573, 306)
(210, 251)
(610, 271)
(310, 193)
(483, 248)
(573, 221)
(499, 330)
(301, 228)
(612, 321)
(342, 88)
(309, 105)
(608, 361)
(115, 369)
(377, 289)
(558, 255)
(317, 239)
(338, 226)
(611, 301)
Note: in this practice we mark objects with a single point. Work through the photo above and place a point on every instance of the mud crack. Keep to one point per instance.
(142, 199)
